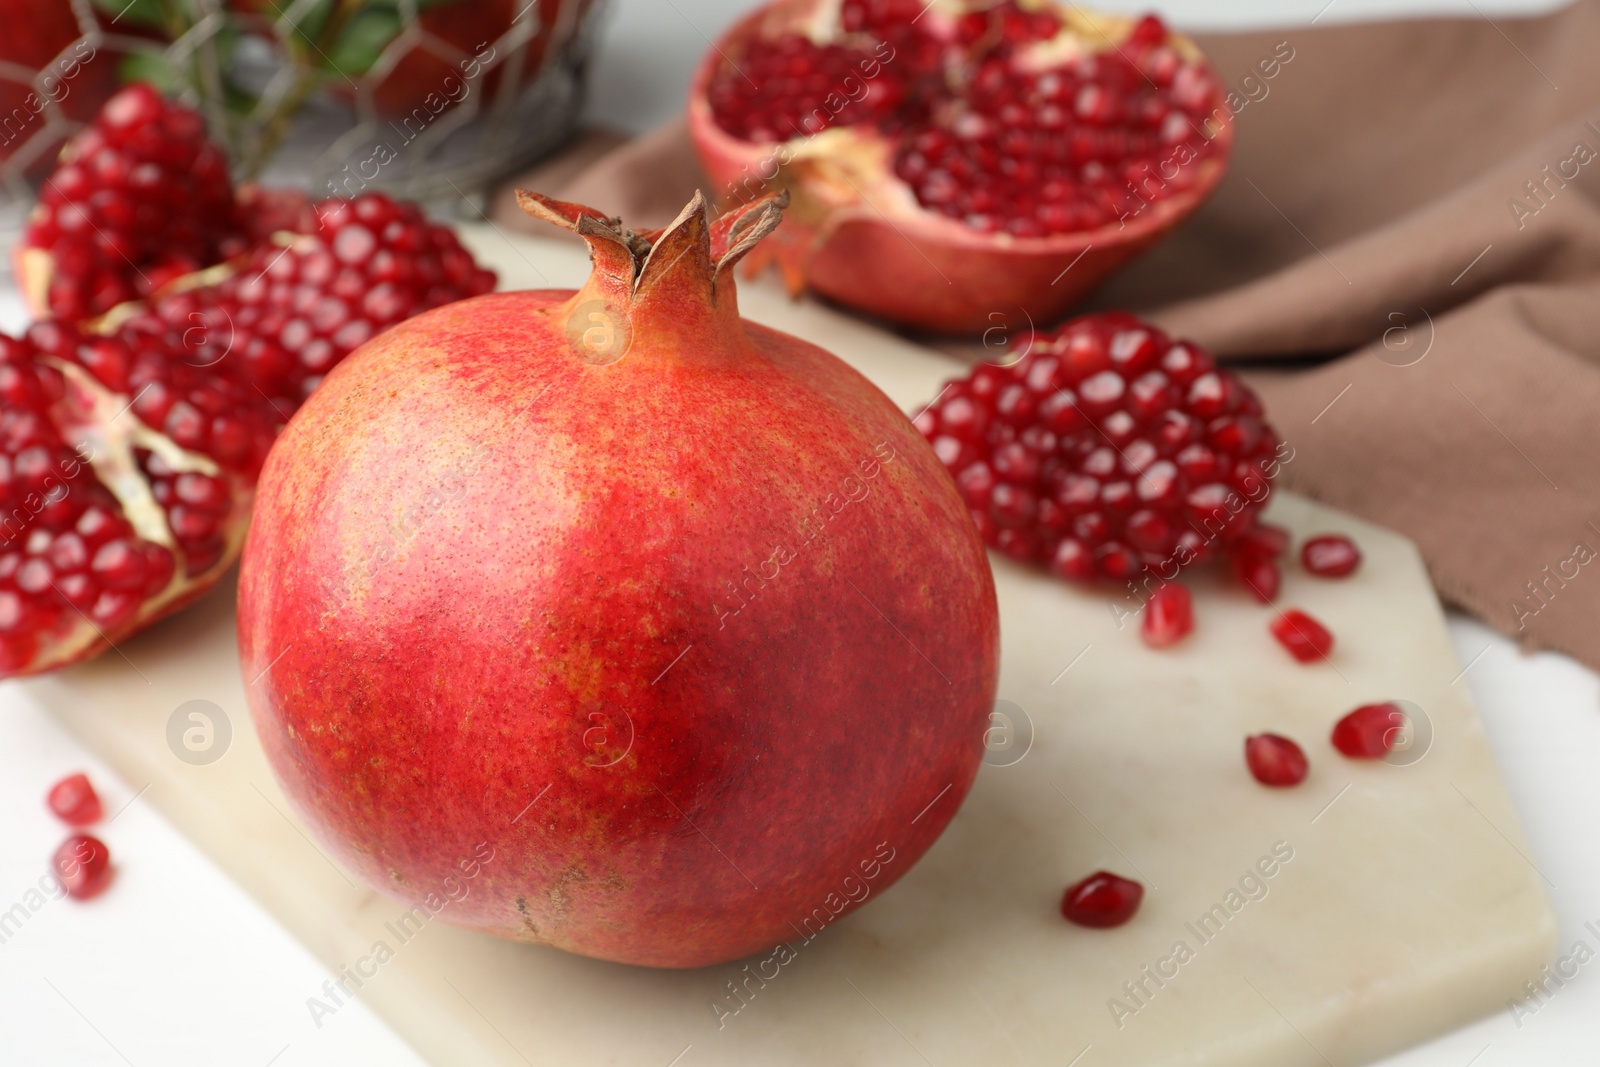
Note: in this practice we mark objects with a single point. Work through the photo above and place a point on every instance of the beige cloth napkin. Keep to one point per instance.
(1406, 256)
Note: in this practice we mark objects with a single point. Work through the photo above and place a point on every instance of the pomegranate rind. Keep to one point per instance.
(856, 234)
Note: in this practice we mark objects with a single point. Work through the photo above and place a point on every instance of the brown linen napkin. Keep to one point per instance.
(1407, 249)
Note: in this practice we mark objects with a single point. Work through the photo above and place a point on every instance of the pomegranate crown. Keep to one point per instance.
(692, 251)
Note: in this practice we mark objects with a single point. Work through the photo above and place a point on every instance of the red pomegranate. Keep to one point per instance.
(958, 166)
(673, 617)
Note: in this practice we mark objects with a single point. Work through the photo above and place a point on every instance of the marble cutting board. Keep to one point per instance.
(1373, 907)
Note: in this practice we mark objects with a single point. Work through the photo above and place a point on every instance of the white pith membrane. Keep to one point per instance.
(35, 269)
(95, 421)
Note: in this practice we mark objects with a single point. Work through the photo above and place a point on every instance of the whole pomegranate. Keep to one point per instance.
(962, 164)
(615, 622)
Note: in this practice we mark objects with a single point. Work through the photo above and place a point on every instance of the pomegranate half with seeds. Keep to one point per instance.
(667, 627)
(959, 164)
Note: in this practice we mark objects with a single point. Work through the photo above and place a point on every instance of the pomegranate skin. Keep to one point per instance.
(490, 595)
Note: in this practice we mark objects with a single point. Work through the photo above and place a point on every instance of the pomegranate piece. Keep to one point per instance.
(497, 515)
(61, 522)
(127, 462)
(1370, 731)
(1275, 760)
(1168, 616)
(990, 144)
(83, 864)
(1330, 556)
(140, 198)
(1101, 900)
(130, 445)
(74, 800)
(1306, 639)
(1105, 450)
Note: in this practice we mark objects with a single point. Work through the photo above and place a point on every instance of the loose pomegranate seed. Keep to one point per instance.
(1330, 556)
(981, 132)
(74, 800)
(1168, 615)
(1275, 760)
(83, 864)
(1106, 449)
(1306, 639)
(1102, 900)
(1260, 575)
(1370, 731)
(1262, 539)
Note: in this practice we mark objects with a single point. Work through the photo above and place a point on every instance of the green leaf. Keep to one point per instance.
(137, 13)
(363, 39)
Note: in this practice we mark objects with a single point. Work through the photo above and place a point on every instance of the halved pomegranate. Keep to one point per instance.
(954, 161)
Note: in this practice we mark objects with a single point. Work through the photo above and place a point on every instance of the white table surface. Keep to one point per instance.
(175, 965)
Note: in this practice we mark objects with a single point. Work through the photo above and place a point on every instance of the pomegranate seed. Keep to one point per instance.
(1168, 616)
(1370, 731)
(1263, 539)
(1330, 556)
(1148, 31)
(1259, 574)
(1306, 639)
(1275, 760)
(1102, 900)
(83, 864)
(74, 800)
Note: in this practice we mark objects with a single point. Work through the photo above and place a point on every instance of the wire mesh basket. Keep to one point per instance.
(427, 99)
